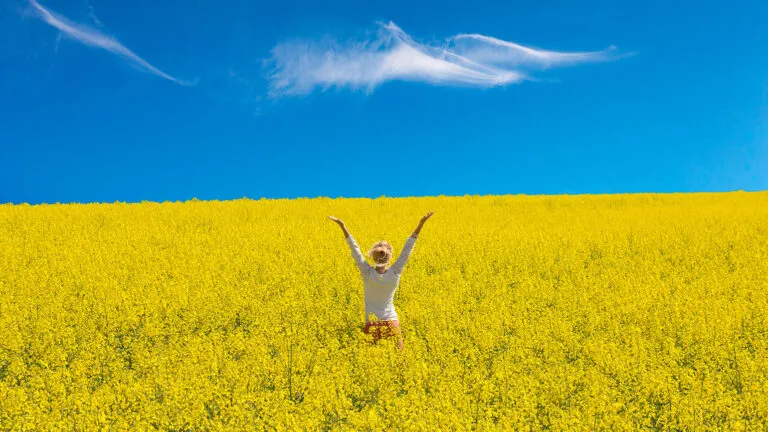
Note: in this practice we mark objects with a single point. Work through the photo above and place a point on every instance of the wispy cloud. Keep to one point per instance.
(92, 37)
(298, 67)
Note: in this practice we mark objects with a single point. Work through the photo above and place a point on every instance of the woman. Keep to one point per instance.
(380, 282)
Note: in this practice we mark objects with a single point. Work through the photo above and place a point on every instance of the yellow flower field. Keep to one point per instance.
(607, 312)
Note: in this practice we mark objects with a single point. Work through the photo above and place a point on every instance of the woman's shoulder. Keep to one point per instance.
(368, 269)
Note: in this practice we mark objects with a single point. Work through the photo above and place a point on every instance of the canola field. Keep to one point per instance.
(605, 312)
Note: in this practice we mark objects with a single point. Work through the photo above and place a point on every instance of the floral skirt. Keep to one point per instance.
(386, 328)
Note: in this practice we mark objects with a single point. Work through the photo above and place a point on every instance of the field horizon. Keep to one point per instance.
(322, 197)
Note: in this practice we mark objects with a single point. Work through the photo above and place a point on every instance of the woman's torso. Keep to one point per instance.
(379, 293)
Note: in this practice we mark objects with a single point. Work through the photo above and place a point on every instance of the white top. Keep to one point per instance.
(379, 289)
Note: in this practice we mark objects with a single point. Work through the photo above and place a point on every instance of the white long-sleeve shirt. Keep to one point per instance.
(379, 289)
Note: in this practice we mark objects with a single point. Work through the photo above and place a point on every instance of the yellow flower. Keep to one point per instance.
(613, 312)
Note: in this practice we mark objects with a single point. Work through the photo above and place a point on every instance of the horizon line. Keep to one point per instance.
(340, 197)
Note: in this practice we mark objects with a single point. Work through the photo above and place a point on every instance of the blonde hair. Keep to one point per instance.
(381, 253)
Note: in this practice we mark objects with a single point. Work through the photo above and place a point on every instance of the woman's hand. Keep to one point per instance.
(337, 220)
(421, 224)
(341, 224)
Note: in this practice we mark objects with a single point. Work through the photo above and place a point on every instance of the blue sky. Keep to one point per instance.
(172, 100)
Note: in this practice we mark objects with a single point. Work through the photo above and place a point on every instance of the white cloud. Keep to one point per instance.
(298, 67)
(92, 37)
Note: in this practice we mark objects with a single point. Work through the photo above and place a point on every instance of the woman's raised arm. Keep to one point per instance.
(399, 264)
(356, 254)
(421, 224)
(341, 224)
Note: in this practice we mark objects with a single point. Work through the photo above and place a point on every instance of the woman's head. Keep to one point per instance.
(381, 253)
